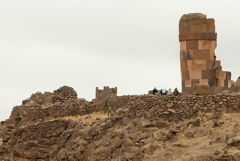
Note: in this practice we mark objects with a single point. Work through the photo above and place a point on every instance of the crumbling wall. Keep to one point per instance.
(146, 118)
(105, 93)
(147, 106)
(199, 67)
(42, 106)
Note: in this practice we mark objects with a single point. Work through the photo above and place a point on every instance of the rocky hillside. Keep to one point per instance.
(60, 126)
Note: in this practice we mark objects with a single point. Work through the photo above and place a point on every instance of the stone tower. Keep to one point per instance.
(106, 92)
(199, 68)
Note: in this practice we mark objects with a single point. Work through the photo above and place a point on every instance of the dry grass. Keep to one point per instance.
(85, 119)
(88, 119)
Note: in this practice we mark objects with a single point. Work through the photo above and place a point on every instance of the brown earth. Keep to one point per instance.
(59, 126)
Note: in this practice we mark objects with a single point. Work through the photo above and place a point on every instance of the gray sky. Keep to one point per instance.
(131, 44)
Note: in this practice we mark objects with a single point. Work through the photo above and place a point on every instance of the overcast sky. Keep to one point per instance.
(131, 44)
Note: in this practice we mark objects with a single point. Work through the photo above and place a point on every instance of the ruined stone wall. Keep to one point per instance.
(106, 92)
(139, 121)
(179, 107)
(43, 106)
(199, 67)
(147, 106)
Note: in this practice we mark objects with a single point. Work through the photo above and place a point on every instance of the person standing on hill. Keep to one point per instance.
(176, 92)
(169, 92)
(163, 91)
(155, 90)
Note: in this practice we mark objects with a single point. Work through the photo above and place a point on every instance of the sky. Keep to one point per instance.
(131, 44)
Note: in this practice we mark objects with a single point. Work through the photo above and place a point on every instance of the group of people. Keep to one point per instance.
(166, 92)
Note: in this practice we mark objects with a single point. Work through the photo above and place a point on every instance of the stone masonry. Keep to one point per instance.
(106, 92)
(199, 68)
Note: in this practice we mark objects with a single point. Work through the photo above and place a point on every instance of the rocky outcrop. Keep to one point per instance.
(43, 106)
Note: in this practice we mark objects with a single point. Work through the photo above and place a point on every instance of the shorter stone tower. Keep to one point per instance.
(199, 68)
(105, 93)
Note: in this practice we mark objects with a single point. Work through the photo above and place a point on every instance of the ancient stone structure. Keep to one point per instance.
(200, 71)
(81, 132)
(106, 92)
(41, 107)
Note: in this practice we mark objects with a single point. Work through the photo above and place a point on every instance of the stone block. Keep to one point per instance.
(183, 83)
(220, 74)
(213, 44)
(225, 83)
(198, 36)
(192, 45)
(195, 74)
(194, 28)
(201, 90)
(183, 46)
(197, 65)
(221, 77)
(211, 24)
(228, 75)
(199, 62)
(208, 74)
(185, 75)
(195, 81)
(210, 65)
(187, 90)
(212, 54)
(203, 82)
(218, 65)
(200, 54)
(186, 55)
(188, 83)
(204, 44)
(212, 82)
(230, 83)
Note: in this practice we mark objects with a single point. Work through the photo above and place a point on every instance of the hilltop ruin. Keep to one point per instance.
(105, 92)
(200, 71)
(53, 126)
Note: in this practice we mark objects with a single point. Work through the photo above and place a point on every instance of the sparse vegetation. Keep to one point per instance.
(135, 113)
(17, 118)
(172, 98)
(188, 117)
(105, 105)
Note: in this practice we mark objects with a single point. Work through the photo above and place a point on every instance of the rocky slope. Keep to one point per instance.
(59, 126)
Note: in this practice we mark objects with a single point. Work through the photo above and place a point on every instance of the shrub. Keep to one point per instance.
(105, 103)
(172, 98)
(188, 116)
(17, 118)
(104, 108)
(135, 113)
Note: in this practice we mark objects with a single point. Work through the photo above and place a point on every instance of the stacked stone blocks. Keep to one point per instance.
(105, 93)
(199, 67)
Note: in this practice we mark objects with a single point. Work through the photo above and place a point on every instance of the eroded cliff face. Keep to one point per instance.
(60, 126)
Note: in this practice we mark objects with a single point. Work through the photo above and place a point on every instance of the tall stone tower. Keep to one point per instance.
(199, 68)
